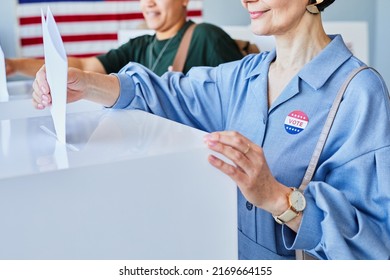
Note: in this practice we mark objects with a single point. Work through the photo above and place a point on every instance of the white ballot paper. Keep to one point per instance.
(57, 73)
(4, 96)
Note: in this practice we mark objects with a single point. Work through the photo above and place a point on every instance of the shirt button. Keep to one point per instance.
(249, 206)
(264, 120)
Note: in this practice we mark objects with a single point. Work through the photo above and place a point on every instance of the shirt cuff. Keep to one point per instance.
(126, 91)
(310, 232)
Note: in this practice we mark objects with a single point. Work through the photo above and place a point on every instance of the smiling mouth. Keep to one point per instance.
(152, 14)
(257, 14)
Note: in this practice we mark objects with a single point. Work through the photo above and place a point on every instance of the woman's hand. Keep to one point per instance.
(250, 170)
(76, 87)
(100, 88)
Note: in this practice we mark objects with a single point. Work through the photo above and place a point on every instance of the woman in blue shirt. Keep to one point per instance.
(265, 113)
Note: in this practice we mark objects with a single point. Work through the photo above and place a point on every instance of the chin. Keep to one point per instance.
(153, 23)
(152, 26)
(258, 29)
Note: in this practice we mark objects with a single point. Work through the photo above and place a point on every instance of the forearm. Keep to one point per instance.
(24, 66)
(101, 88)
(91, 64)
(30, 66)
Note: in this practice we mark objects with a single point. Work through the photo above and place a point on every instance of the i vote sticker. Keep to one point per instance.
(296, 122)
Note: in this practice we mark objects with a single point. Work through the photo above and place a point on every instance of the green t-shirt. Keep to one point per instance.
(210, 46)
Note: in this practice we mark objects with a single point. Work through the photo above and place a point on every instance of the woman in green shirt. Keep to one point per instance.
(209, 46)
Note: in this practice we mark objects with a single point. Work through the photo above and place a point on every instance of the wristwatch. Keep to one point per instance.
(297, 202)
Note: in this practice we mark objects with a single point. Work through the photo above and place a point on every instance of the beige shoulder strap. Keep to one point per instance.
(301, 254)
(181, 55)
(325, 130)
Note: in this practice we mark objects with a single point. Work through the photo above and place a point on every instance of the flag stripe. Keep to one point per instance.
(102, 17)
(81, 18)
(86, 27)
(72, 38)
(76, 55)
(51, 1)
(74, 48)
(80, 28)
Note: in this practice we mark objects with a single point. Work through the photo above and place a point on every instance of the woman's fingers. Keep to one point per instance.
(41, 92)
(233, 139)
(235, 147)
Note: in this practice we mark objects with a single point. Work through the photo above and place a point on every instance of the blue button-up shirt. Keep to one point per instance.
(348, 200)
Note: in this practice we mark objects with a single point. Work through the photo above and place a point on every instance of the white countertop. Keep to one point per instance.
(128, 185)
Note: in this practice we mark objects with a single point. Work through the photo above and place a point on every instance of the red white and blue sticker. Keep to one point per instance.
(296, 122)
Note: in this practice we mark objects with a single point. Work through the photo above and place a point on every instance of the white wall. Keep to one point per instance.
(355, 10)
(8, 27)
(382, 40)
(225, 12)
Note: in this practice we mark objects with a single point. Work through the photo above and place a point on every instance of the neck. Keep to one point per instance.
(301, 45)
(164, 34)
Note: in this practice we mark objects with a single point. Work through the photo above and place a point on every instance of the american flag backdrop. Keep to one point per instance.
(87, 27)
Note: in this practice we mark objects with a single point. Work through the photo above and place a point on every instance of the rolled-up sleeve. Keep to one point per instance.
(194, 99)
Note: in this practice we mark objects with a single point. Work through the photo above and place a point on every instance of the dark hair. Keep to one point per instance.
(324, 4)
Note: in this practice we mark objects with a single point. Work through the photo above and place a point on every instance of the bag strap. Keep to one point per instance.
(301, 254)
(182, 51)
(325, 130)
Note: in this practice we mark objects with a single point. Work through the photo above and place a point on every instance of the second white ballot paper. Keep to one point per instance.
(56, 70)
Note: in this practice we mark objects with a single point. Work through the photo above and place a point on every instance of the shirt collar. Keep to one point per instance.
(316, 72)
(261, 64)
(319, 70)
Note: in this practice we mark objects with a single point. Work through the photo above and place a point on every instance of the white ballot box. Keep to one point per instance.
(127, 185)
(20, 105)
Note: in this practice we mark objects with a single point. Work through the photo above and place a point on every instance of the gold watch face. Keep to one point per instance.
(297, 200)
